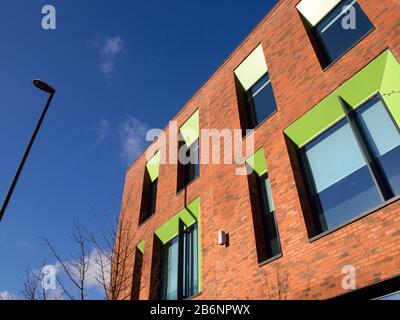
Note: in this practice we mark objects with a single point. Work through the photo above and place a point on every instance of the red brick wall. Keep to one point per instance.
(306, 270)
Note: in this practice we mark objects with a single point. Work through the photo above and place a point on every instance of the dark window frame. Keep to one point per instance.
(184, 290)
(318, 46)
(149, 199)
(259, 205)
(307, 176)
(188, 173)
(249, 112)
(137, 275)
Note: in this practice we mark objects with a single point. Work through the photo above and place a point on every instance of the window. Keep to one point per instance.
(254, 90)
(188, 168)
(149, 197)
(137, 273)
(271, 237)
(260, 102)
(178, 277)
(353, 166)
(332, 39)
(150, 186)
(263, 209)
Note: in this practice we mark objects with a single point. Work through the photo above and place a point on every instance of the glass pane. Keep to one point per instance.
(333, 39)
(383, 138)
(391, 297)
(343, 186)
(270, 201)
(191, 262)
(261, 99)
(151, 207)
(333, 156)
(273, 247)
(192, 169)
(169, 274)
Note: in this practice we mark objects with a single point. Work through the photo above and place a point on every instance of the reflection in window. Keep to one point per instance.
(270, 234)
(333, 40)
(260, 102)
(383, 138)
(340, 183)
(188, 172)
(353, 166)
(179, 275)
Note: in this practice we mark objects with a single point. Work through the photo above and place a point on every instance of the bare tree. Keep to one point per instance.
(112, 248)
(115, 253)
(76, 266)
(32, 285)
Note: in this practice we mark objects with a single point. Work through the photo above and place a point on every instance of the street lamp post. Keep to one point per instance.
(51, 91)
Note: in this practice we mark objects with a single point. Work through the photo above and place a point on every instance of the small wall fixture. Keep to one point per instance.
(222, 238)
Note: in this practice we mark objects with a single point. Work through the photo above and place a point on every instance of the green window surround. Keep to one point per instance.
(380, 76)
(252, 68)
(140, 246)
(266, 229)
(170, 229)
(153, 167)
(257, 162)
(190, 130)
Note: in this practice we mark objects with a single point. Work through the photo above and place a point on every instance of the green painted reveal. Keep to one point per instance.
(191, 129)
(258, 163)
(153, 166)
(170, 229)
(140, 246)
(390, 88)
(379, 75)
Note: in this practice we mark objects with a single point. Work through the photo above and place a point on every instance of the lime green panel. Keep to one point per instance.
(390, 89)
(365, 83)
(170, 229)
(140, 246)
(252, 68)
(153, 166)
(258, 163)
(191, 129)
(315, 10)
(359, 88)
(315, 121)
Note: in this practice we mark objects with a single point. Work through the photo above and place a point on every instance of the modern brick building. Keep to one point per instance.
(319, 217)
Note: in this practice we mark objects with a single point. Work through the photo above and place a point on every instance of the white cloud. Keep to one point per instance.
(5, 295)
(109, 51)
(103, 130)
(132, 134)
(93, 272)
(94, 269)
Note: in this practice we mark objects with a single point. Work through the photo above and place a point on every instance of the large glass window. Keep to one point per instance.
(179, 266)
(271, 237)
(333, 39)
(260, 102)
(351, 168)
(188, 172)
(383, 138)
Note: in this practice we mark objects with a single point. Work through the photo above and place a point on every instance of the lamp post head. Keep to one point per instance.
(43, 86)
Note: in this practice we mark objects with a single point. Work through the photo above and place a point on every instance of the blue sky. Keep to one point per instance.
(120, 67)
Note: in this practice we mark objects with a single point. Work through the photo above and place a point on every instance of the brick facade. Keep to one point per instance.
(307, 269)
